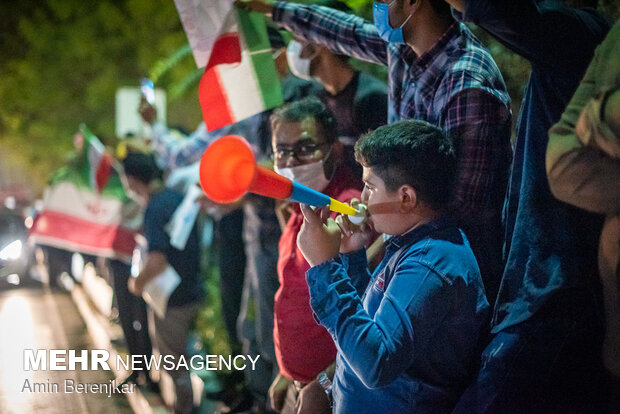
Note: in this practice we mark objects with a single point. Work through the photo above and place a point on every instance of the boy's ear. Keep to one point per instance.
(408, 199)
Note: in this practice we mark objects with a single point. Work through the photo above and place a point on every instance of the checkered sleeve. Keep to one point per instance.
(341, 32)
(479, 123)
(173, 152)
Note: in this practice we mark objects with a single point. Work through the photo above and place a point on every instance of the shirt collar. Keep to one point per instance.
(418, 233)
(426, 59)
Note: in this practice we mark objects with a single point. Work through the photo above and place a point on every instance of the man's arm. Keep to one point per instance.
(176, 153)
(479, 123)
(400, 327)
(158, 241)
(579, 172)
(546, 33)
(341, 32)
(171, 151)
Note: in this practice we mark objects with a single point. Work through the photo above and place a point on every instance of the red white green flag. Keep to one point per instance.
(240, 78)
(86, 208)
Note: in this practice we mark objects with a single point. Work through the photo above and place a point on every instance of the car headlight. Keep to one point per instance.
(12, 251)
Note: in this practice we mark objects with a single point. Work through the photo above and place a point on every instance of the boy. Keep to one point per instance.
(407, 337)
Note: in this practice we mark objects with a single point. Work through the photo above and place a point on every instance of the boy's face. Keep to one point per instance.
(385, 207)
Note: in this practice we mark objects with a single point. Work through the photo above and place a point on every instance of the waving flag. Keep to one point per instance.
(86, 208)
(240, 78)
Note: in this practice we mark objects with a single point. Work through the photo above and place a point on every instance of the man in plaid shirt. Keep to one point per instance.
(441, 73)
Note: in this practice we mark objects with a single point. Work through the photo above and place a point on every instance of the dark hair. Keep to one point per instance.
(141, 166)
(411, 152)
(310, 107)
(442, 8)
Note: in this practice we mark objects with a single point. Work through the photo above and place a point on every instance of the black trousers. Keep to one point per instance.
(232, 271)
(131, 312)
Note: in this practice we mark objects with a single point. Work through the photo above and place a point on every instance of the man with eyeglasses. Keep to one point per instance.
(306, 150)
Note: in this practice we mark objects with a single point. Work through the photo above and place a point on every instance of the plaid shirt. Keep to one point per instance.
(455, 85)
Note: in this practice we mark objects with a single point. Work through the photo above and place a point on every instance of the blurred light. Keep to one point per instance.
(28, 222)
(136, 262)
(13, 279)
(66, 281)
(11, 251)
(10, 202)
(38, 205)
(77, 266)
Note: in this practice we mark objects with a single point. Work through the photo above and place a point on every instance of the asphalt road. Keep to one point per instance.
(37, 318)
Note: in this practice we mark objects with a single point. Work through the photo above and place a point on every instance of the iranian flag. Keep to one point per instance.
(86, 208)
(240, 78)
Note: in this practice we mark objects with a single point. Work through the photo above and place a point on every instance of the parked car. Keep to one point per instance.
(15, 252)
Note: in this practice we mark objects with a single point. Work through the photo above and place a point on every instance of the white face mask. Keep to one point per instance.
(311, 175)
(299, 66)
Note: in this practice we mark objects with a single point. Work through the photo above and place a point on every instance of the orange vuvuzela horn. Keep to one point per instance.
(228, 170)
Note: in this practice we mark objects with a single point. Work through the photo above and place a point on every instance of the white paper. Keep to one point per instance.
(157, 292)
(183, 218)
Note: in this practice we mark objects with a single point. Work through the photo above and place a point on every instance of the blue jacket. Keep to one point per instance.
(550, 246)
(408, 337)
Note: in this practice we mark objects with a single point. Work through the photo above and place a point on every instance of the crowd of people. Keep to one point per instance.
(485, 278)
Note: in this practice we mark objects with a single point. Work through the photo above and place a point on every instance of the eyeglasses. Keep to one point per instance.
(303, 151)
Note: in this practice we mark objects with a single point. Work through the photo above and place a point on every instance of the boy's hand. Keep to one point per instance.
(319, 237)
(353, 237)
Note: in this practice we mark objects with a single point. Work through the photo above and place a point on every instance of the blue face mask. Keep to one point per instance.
(381, 19)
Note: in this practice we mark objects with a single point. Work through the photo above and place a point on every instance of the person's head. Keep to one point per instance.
(304, 57)
(304, 142)
(141, 171)
(409, 170)
(396, 20)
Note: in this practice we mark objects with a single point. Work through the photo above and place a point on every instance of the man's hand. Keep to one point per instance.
(135, 286)
(319, 237)
(353, 237)
(255, 6)
(154, 265)
(277, 392)
(147, 111)
(312, 400)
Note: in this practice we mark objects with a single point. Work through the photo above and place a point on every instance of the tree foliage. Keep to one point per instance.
(62, 63)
